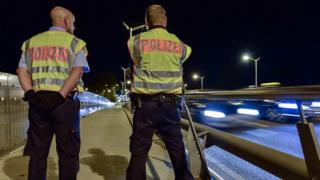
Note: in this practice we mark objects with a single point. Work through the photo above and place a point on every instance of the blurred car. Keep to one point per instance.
(213, 113)
(219, 111)
(282, 111)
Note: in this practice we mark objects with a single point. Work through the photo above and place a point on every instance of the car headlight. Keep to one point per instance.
(288, 105)
(315, 104)
(252, 112)
(291, 106)
(214, 114)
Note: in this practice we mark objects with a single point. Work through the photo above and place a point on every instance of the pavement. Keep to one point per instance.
(104, 152)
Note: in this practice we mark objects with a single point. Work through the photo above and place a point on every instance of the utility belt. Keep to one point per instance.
(138, 99)
(72, 95)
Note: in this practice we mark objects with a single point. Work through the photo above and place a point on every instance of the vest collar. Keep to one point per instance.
(56, 28)
(157, 26)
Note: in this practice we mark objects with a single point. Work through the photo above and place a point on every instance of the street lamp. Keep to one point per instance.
(124, 78)
(131, 29)
(246, 57)
(196, 76)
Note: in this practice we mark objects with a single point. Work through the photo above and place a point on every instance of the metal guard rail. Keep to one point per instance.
(271, 160)
(294, 92)
(278, 163)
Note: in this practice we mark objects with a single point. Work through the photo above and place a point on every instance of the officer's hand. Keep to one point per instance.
(54, 99)
(32, 97)
(28, 95)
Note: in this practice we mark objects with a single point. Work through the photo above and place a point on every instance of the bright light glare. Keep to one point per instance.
(236, 103)
(315, 104)
(128, 82)
(291, 106)
(3, 77)
(288, 105)
(268, 100)
(195, 76)
(214, 114)
(245, 57)
(291, 115)
(252, 112)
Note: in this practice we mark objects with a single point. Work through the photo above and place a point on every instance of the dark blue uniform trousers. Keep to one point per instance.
(165, 118)
(64, 122)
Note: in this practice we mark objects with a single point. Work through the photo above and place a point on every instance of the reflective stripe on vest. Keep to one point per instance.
(50, 69)
(183, 53)
(156, 86)
(27, 56)
(136, 50)
(74, 44)
(155, 74)
(71, 54)
(58, 82)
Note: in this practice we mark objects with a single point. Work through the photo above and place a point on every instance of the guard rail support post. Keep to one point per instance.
(197, 160)
(309, 144)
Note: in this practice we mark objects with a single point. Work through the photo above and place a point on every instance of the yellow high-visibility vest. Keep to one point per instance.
(49, 57)
(158, 57)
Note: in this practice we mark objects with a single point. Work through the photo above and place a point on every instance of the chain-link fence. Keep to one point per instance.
(13, 113)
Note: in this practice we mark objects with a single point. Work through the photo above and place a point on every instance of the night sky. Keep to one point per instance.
(285, 34)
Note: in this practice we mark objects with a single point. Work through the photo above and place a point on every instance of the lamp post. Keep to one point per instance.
(196, 76)
(249, 58)
(124, 78)
(8, 91)
(130, 29)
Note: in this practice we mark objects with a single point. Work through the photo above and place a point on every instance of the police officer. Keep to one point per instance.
(50, 71)
(157, 83)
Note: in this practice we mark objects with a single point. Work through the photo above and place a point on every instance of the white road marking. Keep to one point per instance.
(216, 175)
(226, 169)
(252, 123)
(16, 150)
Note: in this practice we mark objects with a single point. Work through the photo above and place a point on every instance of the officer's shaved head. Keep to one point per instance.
(62, 17)
(156, 15)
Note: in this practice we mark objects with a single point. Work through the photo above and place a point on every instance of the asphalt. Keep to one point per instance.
(283, 137)
(104, 152)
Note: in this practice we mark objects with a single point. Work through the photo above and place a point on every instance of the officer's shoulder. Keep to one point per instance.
(31, 38)
(37, 35)
(75, 38)
(174, 36)
(139, 35)
(148, 33)
(134, 37)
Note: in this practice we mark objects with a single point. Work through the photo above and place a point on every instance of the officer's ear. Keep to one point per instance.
(65, 22)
